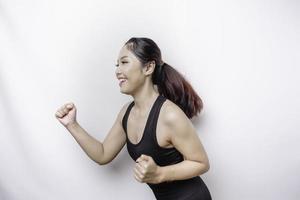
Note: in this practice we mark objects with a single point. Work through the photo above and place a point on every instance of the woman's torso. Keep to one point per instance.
(148, 136)
(136, 125)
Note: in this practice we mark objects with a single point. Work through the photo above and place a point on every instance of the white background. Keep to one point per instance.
(242, 57)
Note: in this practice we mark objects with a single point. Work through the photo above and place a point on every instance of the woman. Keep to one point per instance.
(155, 126)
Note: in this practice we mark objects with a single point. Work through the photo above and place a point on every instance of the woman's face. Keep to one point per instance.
(129, 72)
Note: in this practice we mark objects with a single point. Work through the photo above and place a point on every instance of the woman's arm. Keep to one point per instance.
(184, 138)
(100, 152)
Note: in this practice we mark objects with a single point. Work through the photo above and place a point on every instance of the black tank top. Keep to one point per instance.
(189, 189)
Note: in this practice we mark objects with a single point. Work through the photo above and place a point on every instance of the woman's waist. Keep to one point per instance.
(176, 185)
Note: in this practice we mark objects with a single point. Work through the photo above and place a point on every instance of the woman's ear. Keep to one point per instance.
(149, 68)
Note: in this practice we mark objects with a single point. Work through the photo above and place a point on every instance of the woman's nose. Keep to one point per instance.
(118, 72)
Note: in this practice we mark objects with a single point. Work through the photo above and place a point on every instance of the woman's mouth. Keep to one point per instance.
(121, 81)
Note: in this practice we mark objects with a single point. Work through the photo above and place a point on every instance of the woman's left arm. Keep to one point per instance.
(185, 139)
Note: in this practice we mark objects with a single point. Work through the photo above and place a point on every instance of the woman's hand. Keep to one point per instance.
(66, 114)
(147, 171)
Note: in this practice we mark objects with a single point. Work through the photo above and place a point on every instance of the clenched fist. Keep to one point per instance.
(147, 171)
(66, 114)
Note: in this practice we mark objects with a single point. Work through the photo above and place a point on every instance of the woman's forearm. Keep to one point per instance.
(183, 170)
(92, 147)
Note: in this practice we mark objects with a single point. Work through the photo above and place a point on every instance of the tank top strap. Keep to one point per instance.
(153, 115)
(151, 131)
(125, 118)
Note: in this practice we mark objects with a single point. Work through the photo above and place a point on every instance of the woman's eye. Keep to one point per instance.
(123, 62)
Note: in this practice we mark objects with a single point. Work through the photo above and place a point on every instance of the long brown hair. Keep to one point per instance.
(170, 83)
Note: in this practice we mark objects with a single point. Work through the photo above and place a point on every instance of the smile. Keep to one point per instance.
(122, 81)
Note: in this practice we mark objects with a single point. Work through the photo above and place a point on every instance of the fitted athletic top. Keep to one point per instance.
(189, 189)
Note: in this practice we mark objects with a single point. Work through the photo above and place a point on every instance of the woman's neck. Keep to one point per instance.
(143, 101)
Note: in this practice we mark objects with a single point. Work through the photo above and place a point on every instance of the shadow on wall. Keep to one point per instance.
(199, 121)
(3, 193)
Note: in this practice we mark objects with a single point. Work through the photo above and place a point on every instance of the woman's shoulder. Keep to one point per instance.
(123, 110)
(171, 113)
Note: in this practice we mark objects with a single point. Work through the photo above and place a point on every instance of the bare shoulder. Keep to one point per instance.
(175, 121)
(123, 110)
(172, 114)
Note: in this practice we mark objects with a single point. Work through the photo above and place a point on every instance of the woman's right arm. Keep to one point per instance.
(102, 153)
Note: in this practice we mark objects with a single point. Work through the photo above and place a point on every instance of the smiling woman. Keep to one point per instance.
(155, 126)
(142, 52)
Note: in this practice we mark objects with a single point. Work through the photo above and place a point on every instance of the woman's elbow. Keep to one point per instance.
(206, 166)
(206, 163)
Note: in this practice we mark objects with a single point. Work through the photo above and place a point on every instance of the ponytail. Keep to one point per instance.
(171, 84)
